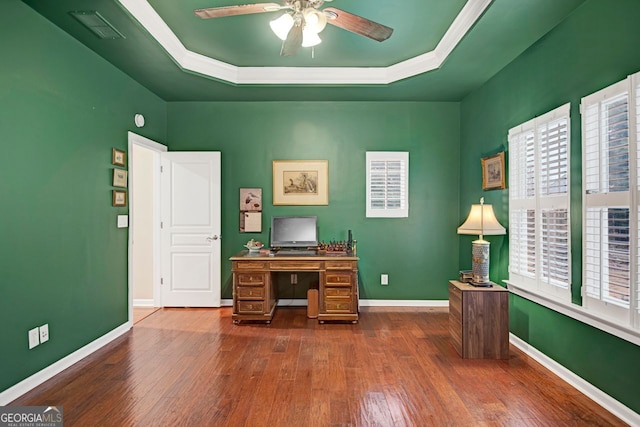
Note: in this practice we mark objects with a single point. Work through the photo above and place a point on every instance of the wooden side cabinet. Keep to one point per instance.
(479, 321)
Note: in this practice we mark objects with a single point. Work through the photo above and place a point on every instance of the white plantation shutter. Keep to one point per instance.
(522, 203)
(610, 260)
(555, 247)
(522, 229)
(552, 142)
(607, 261)
(387, 184)
(522, 163)
(539, 238)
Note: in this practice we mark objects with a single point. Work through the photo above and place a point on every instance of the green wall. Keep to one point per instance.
(420, 253)
(596, 46)
(62, 109)
(63, 261)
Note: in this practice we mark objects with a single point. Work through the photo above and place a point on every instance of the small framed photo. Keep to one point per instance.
(493, 172)
(251, 199)
(119, 178)
(251, 222)
(118, 157)
(119, 198)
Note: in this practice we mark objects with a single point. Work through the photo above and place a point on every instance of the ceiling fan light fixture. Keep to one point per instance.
(310, 38)
(314, 19)
(282, 25)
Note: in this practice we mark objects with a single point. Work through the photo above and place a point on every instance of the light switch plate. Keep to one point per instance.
(34, 338)
(123, 221)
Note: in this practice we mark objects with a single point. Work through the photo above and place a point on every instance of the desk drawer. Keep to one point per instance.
(250, 279)
(250, 306)
(295, 265)
(338, 279)
(251, 292)
(250, 265)
(340, 265)
(338, 306)
(337, 292)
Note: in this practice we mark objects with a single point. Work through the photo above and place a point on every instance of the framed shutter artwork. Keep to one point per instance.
(387, 184)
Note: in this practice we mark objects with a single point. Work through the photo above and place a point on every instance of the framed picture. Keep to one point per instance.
(300, 182)
(119, 198)
(250, 222)
(251, 199)
(493, 172)
(119, 178)
(118, 157)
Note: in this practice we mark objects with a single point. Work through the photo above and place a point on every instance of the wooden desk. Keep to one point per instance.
(479, 321)
(255, 296)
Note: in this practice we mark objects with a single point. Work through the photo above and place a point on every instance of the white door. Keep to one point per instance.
(190, 233)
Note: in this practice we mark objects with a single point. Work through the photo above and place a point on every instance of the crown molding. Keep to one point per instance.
(193, 62)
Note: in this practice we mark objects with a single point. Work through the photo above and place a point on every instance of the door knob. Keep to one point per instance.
(215, 237)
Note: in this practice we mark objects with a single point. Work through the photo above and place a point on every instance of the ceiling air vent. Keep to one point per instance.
(97, 24)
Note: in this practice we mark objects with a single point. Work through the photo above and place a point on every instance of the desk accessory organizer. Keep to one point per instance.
(338, 246)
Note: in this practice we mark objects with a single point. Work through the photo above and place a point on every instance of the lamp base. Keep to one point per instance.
(481, 284)
(480, 261)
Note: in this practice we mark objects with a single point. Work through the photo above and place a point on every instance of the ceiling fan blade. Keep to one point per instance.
(293, 42)
(244, 9)
(357, 24)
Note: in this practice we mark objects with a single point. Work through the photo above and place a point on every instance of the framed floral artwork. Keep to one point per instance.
(493, 172)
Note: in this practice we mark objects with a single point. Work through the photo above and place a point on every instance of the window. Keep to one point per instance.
(387, 184)
(539, 238)
(610, 201)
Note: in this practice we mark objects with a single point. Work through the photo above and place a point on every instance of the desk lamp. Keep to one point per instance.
(481, 221)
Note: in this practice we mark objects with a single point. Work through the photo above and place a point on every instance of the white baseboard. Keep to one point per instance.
(609, 403)
(14, 392)
(403, 303)
(143, 303)
(363, 303)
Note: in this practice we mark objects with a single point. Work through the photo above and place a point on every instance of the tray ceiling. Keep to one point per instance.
(439, 50)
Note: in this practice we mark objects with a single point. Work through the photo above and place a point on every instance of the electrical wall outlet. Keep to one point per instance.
(294, 279)
(44, 333)
(34, 338)
(384, 279)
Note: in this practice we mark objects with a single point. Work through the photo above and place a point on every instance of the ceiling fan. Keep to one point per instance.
(303, 21)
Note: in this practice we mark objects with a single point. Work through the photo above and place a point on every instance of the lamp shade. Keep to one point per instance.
(282, 25)
(310, 38)
(481, 221)
(314, 19)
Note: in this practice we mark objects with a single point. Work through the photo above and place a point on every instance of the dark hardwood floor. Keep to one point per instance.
(396, 367)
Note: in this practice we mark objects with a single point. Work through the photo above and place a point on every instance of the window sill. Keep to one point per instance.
(577, 313)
